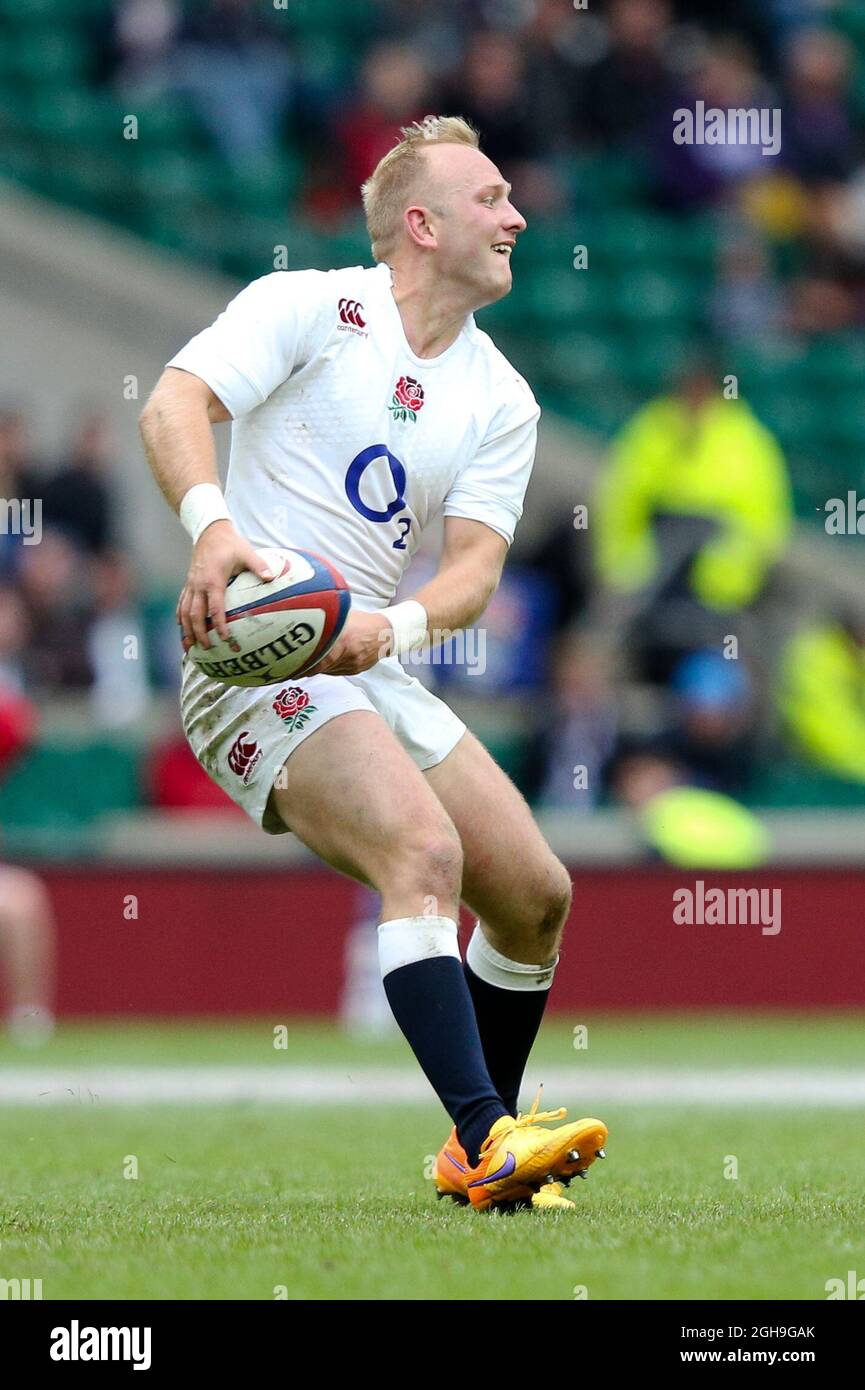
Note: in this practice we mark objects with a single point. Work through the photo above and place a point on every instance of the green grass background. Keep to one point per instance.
(233, 1201)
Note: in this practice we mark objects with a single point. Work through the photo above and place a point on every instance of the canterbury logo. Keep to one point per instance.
(351, 312)
(243, 756)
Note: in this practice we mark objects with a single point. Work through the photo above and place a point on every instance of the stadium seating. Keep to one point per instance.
(61, 788)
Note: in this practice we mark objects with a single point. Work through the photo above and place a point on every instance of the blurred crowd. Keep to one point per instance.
(75, 619)
(682, 655)
(68, 595)
(691, 513)
(547, 82)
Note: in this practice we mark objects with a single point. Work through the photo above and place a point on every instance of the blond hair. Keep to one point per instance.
(388, 187)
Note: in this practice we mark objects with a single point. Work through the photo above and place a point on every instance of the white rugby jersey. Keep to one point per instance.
(346, 443)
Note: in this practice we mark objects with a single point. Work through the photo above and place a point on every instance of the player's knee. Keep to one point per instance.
(433, 860)
(553, 907)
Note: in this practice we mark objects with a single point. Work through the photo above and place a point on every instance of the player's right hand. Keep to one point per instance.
(218, 554)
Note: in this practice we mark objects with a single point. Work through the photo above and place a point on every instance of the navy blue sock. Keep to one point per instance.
(508, 1022)
(432, 1005)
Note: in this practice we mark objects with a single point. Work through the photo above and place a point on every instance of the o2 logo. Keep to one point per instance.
(356, 470)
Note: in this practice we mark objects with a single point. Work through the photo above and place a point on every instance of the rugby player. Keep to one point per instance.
(365, 402)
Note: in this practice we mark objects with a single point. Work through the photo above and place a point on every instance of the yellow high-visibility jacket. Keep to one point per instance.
(726, 466)
(821, 695)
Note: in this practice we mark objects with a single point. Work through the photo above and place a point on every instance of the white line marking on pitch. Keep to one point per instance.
(581, 1086)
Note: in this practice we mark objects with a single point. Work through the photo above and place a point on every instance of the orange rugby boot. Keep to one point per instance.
(452, 1166)
(517, 1159)
(453, 1172)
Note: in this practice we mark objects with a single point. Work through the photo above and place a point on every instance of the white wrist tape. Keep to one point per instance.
(409, 622)
(201, 505)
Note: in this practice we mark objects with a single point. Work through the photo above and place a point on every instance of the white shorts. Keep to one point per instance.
(242, 736)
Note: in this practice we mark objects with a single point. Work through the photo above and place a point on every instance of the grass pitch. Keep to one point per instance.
(246, 1201)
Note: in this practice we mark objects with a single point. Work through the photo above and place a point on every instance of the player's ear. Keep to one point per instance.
(419, 225)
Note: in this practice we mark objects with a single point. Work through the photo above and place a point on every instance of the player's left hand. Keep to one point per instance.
(365, 639)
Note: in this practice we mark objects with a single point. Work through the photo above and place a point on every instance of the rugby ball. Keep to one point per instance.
(277, 628)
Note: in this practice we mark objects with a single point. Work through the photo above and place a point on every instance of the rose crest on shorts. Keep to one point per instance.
(293, 707)
(407, 399)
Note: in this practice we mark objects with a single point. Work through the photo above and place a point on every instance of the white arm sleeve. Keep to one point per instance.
(267, 332)
(492, 486)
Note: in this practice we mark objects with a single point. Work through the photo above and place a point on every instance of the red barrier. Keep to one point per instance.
(206, 942)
